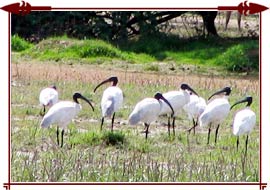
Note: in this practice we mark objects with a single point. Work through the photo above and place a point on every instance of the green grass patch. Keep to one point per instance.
(152, 67)
(232, 54)
(19, 44)
(88, 138)
(248, 57)
(94, 51)
(113, 138)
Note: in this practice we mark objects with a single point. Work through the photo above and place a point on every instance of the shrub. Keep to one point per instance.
(113, 138)
(239, 58)
(19, 44)
(98, 48)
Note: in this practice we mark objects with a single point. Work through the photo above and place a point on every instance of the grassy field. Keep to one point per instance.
(91, 155)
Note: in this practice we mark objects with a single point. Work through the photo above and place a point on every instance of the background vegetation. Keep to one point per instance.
(146, 50)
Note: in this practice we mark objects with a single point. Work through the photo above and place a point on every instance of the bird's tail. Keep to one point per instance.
(134, 119)
(108, 108)
(45, 123)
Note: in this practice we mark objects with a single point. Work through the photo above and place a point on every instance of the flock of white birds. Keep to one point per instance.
(211, 113)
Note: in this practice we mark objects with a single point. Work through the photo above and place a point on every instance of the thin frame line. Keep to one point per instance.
(126, 183)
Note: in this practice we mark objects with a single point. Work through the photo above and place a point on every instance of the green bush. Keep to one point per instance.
(98, 48)
(19, 44)
(113, 138)
(239, 58)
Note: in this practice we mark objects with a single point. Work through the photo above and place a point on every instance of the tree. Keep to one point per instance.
(108, 25)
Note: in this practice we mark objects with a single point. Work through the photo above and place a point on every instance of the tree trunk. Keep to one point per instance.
(209, 21)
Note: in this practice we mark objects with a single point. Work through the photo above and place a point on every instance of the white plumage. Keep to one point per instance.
(215, 112)
(194, 108)
(147, 111)
(48, 97)
(62, 113)
(177, 100)
(244, 120)
(112, 99)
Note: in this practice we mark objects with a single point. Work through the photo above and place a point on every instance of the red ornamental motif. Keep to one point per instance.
(253, 8)
(23, 8)
(244, 8)
(18, 8)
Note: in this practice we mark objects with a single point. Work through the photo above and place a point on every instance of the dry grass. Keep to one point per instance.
(92, 74)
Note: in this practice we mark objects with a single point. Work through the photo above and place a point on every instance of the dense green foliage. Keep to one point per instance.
(19, 44)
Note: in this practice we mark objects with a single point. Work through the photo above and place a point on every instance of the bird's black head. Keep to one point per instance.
(54, 87)
(78, 95)
(247, 99)
(159, 96)
(187, 87)
(226, 91)
(113, 79)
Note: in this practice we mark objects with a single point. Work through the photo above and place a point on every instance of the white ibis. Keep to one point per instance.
(112, 99)
(216, 111)
(62, 113)
(244, 120)
(147, 111)
(177, 100)
(48, 97)
(194, 108)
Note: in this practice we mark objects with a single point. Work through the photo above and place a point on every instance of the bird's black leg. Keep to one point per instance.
(208, 138)
(102, 121)
(194, 124)
(44, 110)
(146, 131)
(57, 135)
(246, 146)
(237, 143)
(113, 120)
(173, 124)
(216, 134)
(169, 126)
(62, 140)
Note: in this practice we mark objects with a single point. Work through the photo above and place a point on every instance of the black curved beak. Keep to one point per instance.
(187, 87)
(111, 79)
(247, 99)
(193, 91)
(85, 99)
(167, 102)
(226, 90)
(78, 95)
(159, 96)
